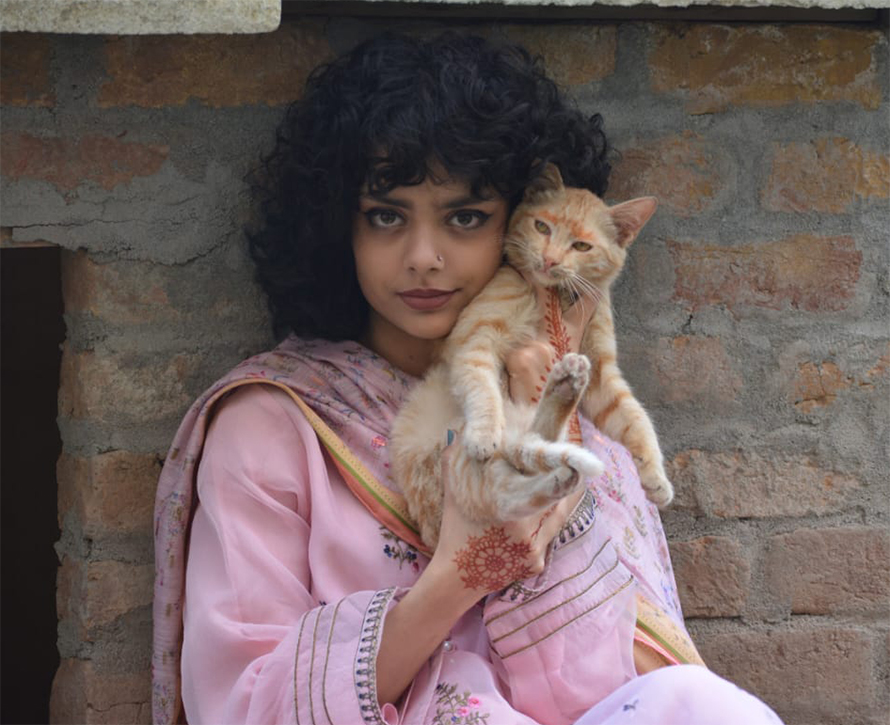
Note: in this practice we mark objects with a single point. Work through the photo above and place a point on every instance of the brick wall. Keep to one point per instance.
(752, 314)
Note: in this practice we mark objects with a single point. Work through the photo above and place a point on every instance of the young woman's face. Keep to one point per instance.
(421, 254)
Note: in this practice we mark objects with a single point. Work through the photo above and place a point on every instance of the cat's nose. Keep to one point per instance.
(548, 263)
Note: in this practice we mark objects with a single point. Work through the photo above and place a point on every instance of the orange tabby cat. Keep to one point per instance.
(513, 461)
(531, 469)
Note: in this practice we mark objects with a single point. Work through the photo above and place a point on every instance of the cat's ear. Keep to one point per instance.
(631, 216)
(549, 182)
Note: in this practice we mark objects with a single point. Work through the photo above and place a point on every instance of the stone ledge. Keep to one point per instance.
(140, 17)
(148, 17)
(554, 4)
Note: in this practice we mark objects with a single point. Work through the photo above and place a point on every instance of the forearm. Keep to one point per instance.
(416, 626)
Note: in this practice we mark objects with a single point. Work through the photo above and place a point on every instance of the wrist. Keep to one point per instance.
(442, 587)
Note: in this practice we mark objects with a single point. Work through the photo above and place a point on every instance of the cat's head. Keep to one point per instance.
(558, 233)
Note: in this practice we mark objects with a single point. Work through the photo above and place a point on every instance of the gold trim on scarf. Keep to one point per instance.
(659, 632)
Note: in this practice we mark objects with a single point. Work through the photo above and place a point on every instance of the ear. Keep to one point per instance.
(631, 216)
(549, 182)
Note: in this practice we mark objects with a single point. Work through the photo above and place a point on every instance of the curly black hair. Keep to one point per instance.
(382, 116)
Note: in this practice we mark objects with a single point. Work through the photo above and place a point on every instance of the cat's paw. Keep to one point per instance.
(657, 487)
(569, 377)
(481, 439)
(584, 462)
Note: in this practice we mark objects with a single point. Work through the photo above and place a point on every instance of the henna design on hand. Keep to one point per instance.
(493, 560)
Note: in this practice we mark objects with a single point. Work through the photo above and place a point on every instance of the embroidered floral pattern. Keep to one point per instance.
(454, 708)
(630, 543)
(639, 522)
(399, 550)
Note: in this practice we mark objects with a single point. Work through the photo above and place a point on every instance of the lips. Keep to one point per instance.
(426, 299)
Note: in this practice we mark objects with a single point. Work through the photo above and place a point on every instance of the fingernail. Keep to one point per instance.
(450, 437)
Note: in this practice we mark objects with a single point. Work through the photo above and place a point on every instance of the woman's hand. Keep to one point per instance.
(469, 562)
(485, 559)
(558, 333)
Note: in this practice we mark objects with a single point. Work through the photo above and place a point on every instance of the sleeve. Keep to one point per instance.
(257, 647)
(562, 641)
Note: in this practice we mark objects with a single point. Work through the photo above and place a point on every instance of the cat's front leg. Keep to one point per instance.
(476, 382)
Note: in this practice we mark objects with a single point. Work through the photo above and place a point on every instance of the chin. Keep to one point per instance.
(433, 330)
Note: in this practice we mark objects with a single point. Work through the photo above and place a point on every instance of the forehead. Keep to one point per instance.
(434, 191)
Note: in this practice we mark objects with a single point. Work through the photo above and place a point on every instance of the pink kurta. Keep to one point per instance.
(289, 578)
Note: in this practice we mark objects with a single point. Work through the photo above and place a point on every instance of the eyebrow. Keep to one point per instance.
(468, 200)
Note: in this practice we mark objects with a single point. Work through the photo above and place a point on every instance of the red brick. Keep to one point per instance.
(880, 369)
(831, 571)
(83, 693)
(96, 593)
(813, 671)
(806, 272)
(216, 70)
(111, 493)
(825, 175)
(119, 292)
(716, 66)
(817, 385)
(24, 70)
(682, 171)
(68, 162)
(573, 55)
(694, 368)
(749, 484)
(106, 387)
(812, 385)
(713, 575)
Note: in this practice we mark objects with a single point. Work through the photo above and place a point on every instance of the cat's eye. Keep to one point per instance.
(541, 227)
(582, 247)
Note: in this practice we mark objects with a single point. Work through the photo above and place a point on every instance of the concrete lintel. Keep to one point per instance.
(813, 4)
(140, 17)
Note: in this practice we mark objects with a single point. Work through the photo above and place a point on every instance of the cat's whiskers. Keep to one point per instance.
(588, 288)
(577, 295)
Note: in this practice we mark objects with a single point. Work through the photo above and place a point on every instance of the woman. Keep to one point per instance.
(303, 591)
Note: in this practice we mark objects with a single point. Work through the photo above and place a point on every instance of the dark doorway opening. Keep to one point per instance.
(31, 333)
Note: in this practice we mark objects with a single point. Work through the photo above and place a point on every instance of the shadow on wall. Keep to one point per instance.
(32, 333)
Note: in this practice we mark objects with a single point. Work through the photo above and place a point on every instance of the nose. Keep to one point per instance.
(423, 251)
(548, 263)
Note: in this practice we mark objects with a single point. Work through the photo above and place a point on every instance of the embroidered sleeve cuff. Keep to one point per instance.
(336, 658)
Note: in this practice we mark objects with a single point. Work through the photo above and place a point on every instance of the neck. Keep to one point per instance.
(411, 355)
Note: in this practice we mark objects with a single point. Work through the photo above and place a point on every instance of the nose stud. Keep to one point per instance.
(439, 258)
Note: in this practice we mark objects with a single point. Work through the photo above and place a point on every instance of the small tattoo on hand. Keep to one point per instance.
(547, 514)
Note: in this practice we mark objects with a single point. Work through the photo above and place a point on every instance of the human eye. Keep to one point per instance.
(383, 218)
(469, 218)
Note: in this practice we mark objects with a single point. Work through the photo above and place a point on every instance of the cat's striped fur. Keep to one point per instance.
(513, 461)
